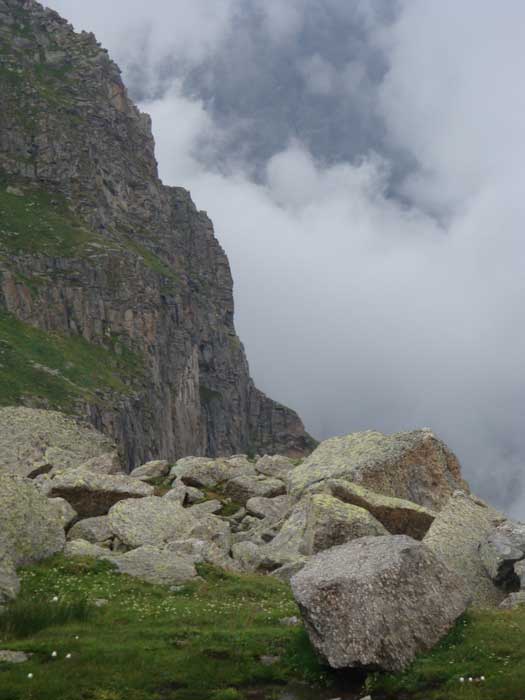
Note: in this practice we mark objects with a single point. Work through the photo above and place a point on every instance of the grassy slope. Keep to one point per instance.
(203, 641)
(56, 370)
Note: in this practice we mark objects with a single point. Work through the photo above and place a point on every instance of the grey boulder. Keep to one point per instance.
(455, 537)
(415, 466)
(151, 470)
(503, 548)
(156, 565)
(150, 521)
(30, 527)
(95, 530)
(376, 602)
(92, 494)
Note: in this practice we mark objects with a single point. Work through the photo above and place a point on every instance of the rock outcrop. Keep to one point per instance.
(118, 280)
(377, 602)
(414, 466)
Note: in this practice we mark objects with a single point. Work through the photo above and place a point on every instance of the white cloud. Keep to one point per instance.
(357, 309)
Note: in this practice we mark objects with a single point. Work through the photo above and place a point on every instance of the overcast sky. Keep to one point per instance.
(363, 162)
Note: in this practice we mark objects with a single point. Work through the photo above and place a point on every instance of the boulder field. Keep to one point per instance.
(381, 540)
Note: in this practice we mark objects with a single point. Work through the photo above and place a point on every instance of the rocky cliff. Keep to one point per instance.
(116, 298)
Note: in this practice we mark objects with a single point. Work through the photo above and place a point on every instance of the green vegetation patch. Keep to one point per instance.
(488, 643)
(57, 369)
(35, 221)
(201, 641)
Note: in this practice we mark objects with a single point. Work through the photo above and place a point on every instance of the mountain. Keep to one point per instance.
(116, 298)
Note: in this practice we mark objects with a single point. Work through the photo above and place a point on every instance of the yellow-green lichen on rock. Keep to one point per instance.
(415, 466)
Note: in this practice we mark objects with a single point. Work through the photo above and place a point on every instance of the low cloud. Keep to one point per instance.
(367, 298)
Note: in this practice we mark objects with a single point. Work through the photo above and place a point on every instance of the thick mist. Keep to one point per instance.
(363, 163)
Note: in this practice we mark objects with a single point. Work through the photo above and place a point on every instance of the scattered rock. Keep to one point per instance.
(13, 657)
(376, 602)
(9, 582)
(202, 552)
(275, 466)
(150, 521)
(66, 513)
(400, 517)
(156, 565)
(292, 621)
(178, 492)
(415, 466)
(202, 472)
(272, 509)
(513, 600)
(242, 488)
(194, 495)
(455, 537)
(30, 528)
(503, 548)
(108, 463)
(96, 530)
(93, 494)
(82, 548)
(205, 508)
(213, 529)
(151, 470)
(33, 441)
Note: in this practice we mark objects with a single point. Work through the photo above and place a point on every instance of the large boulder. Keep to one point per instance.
(150, 521)
(92, 494)
(272, 510)
(415, 466)
(275, 466)
(108, 463)
(64, 510)
(35, 441)
(455, 537)
(156, 469)
(504, 547)
(316, 523)
(376, 602)
(202, 472)
(156, 565)
(400, 517)
(242, 488)
(30, 527)
(96, 530)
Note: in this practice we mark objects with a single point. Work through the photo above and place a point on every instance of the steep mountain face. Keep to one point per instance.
(116, 299)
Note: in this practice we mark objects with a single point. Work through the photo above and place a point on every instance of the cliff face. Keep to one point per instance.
(116, 299)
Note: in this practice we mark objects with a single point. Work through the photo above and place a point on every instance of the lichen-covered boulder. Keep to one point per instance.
(202, 552)
(271, 509)
(455, 537)
(331, 522)
(156, 565)
(399, 517)
(276, 466)
(95, 530)
(151, 520)
(108, 463)
(503, 548)
(202, 472)
(206, 508)
(151, 470)
(83, 548)
(376, 602)
(30, 528)
(35, 441)
(64, 510)
(93, 494)
(242, 488)
(415, 466)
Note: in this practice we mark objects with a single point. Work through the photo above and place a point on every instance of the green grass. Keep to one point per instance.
(57, 370)
(201, 642)
(40, 222)
(488, 643)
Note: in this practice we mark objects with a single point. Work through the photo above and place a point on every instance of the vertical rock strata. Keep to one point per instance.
(115, 257)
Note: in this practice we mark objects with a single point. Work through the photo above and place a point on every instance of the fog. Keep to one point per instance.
(363, 163)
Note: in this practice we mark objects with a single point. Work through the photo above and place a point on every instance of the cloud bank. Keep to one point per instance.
(379, 284)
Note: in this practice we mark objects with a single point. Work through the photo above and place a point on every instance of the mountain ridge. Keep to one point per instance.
(96, 251)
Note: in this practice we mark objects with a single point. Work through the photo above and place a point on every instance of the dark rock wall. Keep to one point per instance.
(158, 282)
